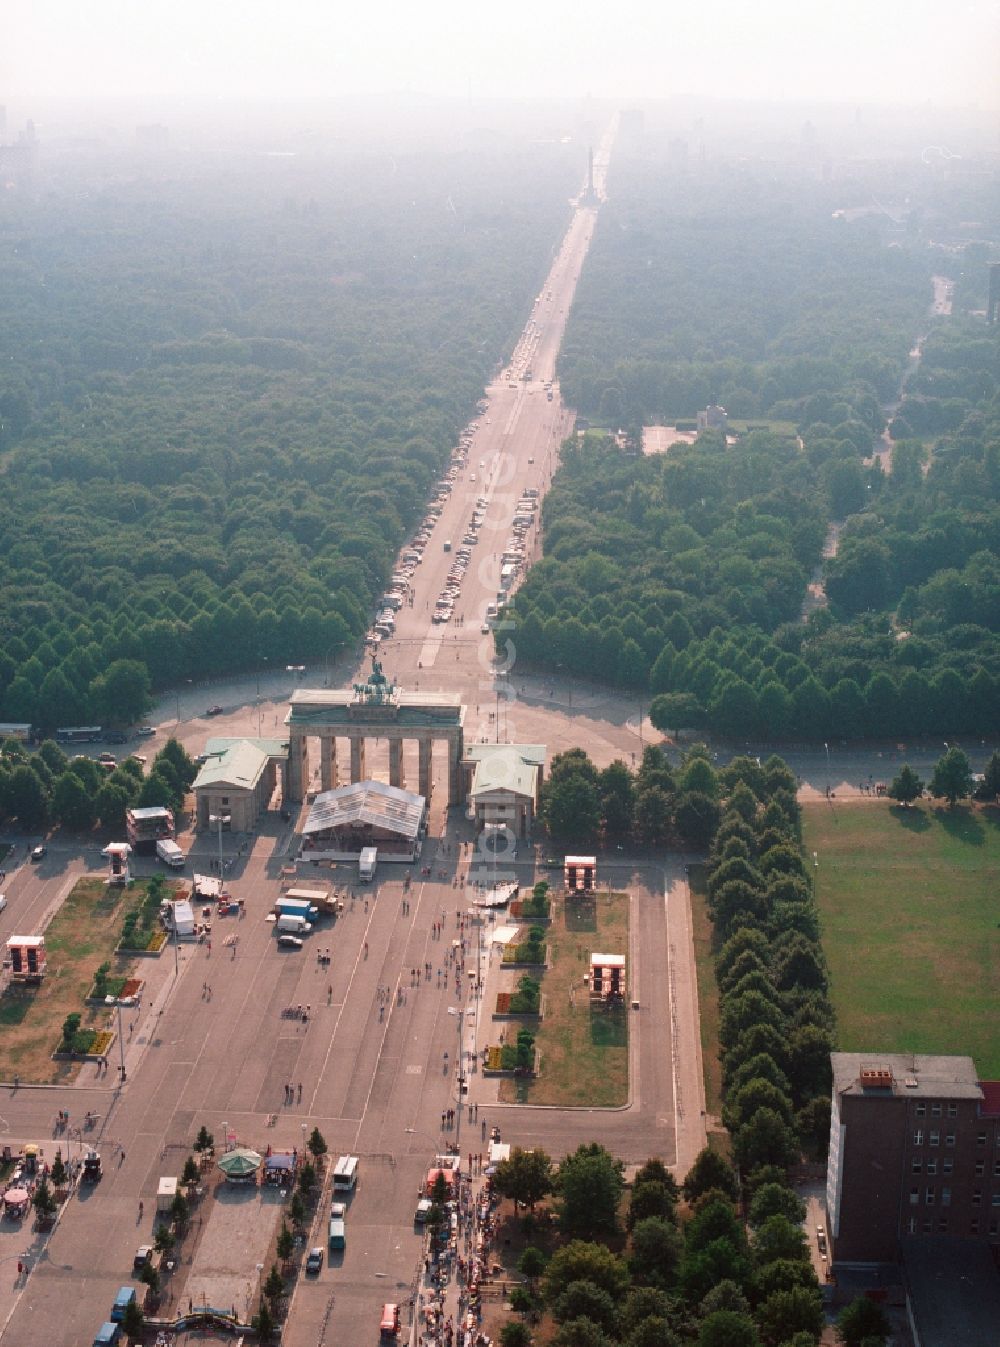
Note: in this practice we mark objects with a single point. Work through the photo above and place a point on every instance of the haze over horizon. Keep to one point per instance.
(898, 52)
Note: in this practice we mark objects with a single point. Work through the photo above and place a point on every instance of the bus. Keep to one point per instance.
(345, 1175)
(15, 730)
(80, 734)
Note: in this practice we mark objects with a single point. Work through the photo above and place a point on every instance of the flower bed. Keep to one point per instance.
(529, 952)
(535, 908)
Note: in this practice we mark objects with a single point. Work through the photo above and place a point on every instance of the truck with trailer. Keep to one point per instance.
(288, 906)
(325, 903)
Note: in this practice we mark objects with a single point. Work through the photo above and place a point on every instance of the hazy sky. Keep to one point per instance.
(871, 50)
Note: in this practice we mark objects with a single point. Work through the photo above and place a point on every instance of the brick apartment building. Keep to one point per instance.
(914, 1150)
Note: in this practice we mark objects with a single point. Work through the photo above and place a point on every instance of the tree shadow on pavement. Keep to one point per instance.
(608, 1028)
(580, 913)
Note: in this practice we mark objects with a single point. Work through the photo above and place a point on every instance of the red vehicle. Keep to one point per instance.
(389, 1326)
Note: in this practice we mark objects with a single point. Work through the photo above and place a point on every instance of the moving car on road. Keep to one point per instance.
(314, 1261)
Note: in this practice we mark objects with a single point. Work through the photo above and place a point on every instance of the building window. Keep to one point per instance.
(935, 1139)
(911, 1226)
(946, 1196)
(929, 1197)
(980, 1138)
(977, 1196)
(947, 1165)
(949, 1138)
(980, 1168)
(995, 1199)
(914, 1196)
(973, 1227)
(921, 1109)
(996, 1169)
(931, 1166)
(928, 1226)
(935, 1110)
(952, 1110)
(994, 1227)
(917, 1165)
(942, 1226)
(918, 1137)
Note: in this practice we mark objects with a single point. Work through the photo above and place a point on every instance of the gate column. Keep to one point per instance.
(298, 766)
(327, 763)
(455, 777)
(424, 766)
(396, 763)
(357, 758)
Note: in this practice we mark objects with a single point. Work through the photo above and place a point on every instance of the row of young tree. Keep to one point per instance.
(744, 684)
(220, 411)
(660, 1265)
(776, 1027)
(653, 805)
(45, 787)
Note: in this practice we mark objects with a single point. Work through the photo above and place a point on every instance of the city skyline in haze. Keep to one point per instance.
(896, 52)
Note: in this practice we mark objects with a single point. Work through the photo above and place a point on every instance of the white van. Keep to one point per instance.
(345, 1174)
(290, 925)
(170, 853)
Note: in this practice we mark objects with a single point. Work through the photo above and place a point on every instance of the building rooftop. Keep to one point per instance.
(954, 1291)
(367, 802)
(341, 706)
(904, 1075)
(990, 1107)
(240, 765)
(274, 748)
(533, 754)
(505, 769)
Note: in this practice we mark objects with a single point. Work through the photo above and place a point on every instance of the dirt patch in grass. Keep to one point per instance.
(583, 1052)
(908, 905)
(708, 991)
(78, 940)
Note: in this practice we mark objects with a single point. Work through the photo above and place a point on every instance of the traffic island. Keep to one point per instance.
(582, 1043)
(80, 941)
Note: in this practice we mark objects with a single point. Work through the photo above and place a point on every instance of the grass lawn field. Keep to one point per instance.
(909, 904)
(584, 1053)
(708, 991)
(78, 940)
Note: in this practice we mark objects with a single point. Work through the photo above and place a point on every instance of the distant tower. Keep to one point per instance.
(993, 302)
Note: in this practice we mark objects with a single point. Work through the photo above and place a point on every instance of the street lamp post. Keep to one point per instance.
(217, 818)
(827, 747)
(121, 1042)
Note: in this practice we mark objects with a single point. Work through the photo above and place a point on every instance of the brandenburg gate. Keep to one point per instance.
(374, 709)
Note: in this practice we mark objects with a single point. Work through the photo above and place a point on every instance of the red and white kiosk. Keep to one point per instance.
(607, 979)
(580, 874)
(26, 957)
